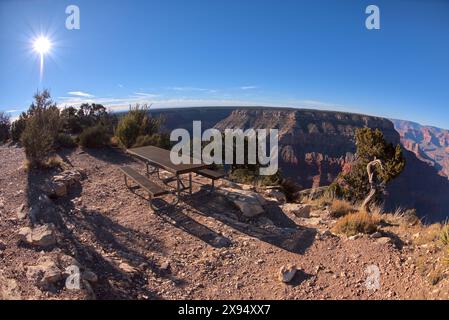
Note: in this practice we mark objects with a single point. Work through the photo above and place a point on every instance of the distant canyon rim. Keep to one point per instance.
(315, 146)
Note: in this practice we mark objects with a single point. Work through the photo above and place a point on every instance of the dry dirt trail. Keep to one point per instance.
(203, 249)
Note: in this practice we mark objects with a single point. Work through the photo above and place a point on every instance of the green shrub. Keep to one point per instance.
(137, 122)
(94, 137)
(371, 144)
(127, 131)
(39, 135)
(65, 141)
(18, 126)
(5, 125)
(158, 140)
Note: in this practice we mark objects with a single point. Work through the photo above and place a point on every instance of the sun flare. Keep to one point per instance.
(42, 45)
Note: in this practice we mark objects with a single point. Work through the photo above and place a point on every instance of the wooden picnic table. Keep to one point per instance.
(159, 158)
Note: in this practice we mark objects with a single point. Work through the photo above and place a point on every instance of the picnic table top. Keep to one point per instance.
(161, 157)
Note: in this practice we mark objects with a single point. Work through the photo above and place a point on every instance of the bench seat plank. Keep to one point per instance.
(141, 180)
(211, 174)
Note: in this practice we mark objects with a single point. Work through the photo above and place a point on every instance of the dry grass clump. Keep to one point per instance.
(320, 202)
(54, 161)
(428, 234)
(340, 208)
(359, 222)
(444, 234)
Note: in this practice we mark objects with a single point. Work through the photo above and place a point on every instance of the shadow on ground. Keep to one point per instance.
(274, 227)
(99, 243)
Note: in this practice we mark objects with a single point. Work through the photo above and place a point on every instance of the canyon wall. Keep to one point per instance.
(316, 145)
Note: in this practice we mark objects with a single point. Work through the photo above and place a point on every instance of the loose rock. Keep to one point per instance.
(41, 236)
(287, 273)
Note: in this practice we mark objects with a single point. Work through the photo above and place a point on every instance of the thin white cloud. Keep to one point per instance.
(146, 95)
(80, 94)
(120, 85)
(187, 89)
(248, 87)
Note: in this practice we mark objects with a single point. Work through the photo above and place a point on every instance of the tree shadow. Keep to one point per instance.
(99, 244)
(109, 155)
(274, 227)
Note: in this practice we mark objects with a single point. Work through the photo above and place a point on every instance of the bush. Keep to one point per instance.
(18, 126)
(137, 122)
(41, 129)
(65, 141)
(94, 137)
(158, 140)
(5, 126)
(127, 131)
(354, 223)
(39, 135)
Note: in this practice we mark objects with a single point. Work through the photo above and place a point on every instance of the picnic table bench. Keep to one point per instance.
(159, 158)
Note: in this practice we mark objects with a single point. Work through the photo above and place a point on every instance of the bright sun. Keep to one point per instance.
(42, 45)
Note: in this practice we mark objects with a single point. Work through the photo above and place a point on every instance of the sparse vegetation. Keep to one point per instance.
(5, 126)
(359, 222)
(428, 234)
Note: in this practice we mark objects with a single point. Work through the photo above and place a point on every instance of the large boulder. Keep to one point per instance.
(299, 210)
(40, 236)
(248, 202)
(276, 195)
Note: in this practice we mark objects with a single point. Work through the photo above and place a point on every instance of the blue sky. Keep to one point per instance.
(314, 54)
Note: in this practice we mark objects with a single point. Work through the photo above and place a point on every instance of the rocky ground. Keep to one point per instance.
(233, 244)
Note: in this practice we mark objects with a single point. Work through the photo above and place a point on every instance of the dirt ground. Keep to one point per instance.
(202, 249)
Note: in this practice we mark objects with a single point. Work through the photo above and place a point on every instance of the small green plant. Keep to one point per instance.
(94, 137)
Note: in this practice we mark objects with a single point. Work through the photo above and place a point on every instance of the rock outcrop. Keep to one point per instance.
(429, 144)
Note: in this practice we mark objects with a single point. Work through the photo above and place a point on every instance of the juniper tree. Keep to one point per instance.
(371, 145)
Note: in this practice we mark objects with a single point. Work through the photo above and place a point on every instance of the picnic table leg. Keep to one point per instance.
(178, 186)
(190, 183)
